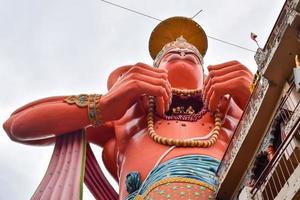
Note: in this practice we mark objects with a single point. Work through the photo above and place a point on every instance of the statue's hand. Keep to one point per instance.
(138, 81)
(231, 78)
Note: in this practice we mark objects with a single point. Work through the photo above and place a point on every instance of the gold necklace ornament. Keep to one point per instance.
(196, 142)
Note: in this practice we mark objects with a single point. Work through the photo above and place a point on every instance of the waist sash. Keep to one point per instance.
(197, 168)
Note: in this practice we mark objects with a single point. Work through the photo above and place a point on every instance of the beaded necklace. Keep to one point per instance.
(204, 142)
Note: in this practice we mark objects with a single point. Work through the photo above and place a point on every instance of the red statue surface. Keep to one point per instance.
(164, 129)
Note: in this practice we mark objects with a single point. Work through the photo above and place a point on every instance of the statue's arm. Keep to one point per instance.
(44, 119)
(40, 121)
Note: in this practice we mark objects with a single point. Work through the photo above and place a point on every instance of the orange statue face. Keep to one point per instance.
(184, 68)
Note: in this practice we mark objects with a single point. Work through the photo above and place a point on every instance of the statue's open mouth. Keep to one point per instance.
(186, 108)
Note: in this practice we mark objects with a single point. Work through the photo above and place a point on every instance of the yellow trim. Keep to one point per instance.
(80, 100)
(83, 159)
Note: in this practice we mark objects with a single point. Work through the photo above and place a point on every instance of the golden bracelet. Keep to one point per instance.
(94, 109)
(91, 102)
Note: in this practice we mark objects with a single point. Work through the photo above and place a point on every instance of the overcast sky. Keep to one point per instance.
(62, 47)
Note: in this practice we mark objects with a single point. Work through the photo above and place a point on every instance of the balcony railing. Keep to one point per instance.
(289, 104)
(285, 161)
(277, 173)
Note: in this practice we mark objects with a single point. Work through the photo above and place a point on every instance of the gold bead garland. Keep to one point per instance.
(177, 142)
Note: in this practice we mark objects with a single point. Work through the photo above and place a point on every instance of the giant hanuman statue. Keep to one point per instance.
(164, 128)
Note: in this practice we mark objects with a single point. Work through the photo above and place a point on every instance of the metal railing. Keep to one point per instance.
(287, 156)
(288, 105)
(278, 171)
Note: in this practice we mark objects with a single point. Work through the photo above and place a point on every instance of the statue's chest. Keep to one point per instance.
(136, 129)
(141, 152)
(177, 129)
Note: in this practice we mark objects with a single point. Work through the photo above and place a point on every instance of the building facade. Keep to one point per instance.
(262, 160)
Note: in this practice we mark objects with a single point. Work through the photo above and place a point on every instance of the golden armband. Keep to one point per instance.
(91, 102)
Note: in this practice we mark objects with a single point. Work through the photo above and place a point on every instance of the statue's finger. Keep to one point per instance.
(160, 106)
(214, 101)
(223, 65)
(148, 67)
(151, 80)
(146, 71)
(138, 88)
(233, 68)
(221, 88)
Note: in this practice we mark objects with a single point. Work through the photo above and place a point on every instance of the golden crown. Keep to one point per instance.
(177, 32)
(180, 44)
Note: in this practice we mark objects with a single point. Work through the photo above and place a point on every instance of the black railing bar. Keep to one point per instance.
(294, 153)
(271, 191)
(265, 192)
(286, 166)
(278, 178)
(285, 180)
(287, 94)
(275, 185)
(290, 158)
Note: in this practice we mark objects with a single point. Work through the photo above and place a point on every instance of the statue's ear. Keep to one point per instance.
(113, 77)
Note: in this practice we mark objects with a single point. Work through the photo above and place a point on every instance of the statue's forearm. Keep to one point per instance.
(43, 119)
